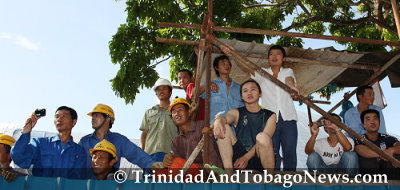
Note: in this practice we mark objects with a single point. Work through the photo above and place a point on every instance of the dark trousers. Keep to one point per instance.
(378, 166)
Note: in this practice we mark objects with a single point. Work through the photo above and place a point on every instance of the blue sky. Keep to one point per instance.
(55, 53)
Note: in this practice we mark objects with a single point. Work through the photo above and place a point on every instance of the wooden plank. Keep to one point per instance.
(283, 33)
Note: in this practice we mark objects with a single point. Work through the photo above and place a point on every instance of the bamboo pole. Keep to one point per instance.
(288, 59)
(282, 33)
(241, 60)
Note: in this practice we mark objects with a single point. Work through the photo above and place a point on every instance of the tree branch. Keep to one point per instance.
(155, 64)
(265, 5)
(342, 23)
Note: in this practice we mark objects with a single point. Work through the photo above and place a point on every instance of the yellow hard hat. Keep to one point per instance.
(102, 108)
(6, 139)
(106, 146)
(177, 101)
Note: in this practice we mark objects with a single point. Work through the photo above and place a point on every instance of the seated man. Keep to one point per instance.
(251, 147)
(57, 156)
(104, 156)
(332, 154)
(189, 135)
(370, 161)
(5, 158)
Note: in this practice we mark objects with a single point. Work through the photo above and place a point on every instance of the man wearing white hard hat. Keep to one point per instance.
(157, 126)
(103, 118)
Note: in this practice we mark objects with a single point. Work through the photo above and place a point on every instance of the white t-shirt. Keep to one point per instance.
(273, 97)
(330, 155)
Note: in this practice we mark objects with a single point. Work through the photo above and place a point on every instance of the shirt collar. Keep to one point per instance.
(190, 130)
(57, 138)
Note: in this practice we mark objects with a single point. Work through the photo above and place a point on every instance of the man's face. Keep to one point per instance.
(163, 93)
(184, 79)
(63, 121)
(101, 162)
(250, 92)
(275, 57)
(224, 66)
(179, 114)
(368, 97)
(5, 157)
(371, 122)
(98, 120)
(330, 123)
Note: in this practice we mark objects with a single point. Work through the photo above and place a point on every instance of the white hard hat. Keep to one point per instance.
(161, 82)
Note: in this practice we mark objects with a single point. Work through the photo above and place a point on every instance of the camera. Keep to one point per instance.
(321, 123)
(40, 112)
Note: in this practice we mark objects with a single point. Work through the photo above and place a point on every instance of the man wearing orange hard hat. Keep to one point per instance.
(189, 135)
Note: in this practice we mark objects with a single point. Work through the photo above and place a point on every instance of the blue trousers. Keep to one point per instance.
(348, 164)
(286, 136)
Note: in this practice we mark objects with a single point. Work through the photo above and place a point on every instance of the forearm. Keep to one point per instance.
(366, 152)
(143, 139)
(344, 141)
(310, 145)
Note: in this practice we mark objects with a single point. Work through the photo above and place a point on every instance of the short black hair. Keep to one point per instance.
(247, 81)
(367, 112)
(187, 71)
(105, 116)
(72, 112)
(277, 47)
(217, 60)
(361, 90)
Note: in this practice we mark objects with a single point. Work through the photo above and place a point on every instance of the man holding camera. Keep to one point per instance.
(57, 156)
(332, 154)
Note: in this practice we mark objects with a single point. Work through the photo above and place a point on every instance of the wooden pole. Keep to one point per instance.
(371, 79)
(282, 33)
(288, 59)
(395, 7)
(242, 60)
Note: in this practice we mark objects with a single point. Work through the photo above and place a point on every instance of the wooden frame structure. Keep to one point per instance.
(208, 39)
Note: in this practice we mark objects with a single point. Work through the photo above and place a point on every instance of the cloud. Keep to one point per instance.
(20, 41)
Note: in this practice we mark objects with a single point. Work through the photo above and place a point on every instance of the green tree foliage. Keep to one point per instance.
(134, 49)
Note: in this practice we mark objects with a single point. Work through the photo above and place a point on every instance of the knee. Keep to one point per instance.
(350, 157)
(313, 160)
(263, 139)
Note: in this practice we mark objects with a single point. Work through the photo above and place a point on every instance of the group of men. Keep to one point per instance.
(242, 134)
(341, 152)
(96, 156)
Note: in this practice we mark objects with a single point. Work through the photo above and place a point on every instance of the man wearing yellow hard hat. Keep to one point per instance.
(103, 118)
(6, 171)
(157, 127)
(189, 135)
(104, 156)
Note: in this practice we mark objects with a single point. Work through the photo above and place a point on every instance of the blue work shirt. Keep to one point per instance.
(50, 157)
(224, 100)
(352, 119)
(125, 148)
